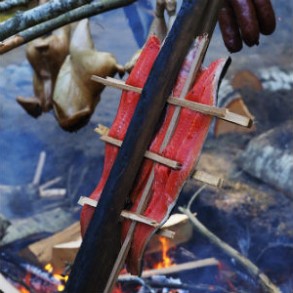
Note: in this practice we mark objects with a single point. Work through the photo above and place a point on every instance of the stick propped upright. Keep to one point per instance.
(101, 244)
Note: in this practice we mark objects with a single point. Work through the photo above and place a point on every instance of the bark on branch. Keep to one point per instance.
(9, 4)
(24, 20)
(66, 18)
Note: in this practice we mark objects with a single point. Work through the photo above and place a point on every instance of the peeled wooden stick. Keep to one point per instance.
(50, 183)
(125, 214)
(131, 216)
(221, 113)
(39, 169)
(207, 178)
(173, 269)
(242, 260)
(149, 155)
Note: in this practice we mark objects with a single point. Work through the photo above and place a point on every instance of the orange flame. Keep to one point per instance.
(166, 260)
(63, 279)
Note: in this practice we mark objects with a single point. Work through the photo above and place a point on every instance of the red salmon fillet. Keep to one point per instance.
(137, 77)
(184, 147)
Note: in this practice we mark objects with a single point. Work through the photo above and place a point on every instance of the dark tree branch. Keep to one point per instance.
(9, 4)
(24, 20)
(50, 25)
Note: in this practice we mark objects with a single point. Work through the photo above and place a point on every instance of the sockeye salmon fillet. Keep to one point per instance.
(184, 147)
(128, 102)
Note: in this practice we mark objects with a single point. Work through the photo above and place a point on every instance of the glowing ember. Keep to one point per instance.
(63, 279)
(166, 260)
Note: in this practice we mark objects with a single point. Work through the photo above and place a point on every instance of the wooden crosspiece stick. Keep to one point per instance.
(199, 175)
(131, 216)
(221, 113)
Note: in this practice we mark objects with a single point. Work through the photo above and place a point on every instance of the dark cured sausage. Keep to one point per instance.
(229, 28)
(265, 15)
(247, 21)
(128, 102)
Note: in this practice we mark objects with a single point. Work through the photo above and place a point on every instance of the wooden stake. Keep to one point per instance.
(221, 113)
(131, 216)
(149, 155)
(50, 183)
(207, 178)
(116, 83)
(125, 214)
(39, 169)
(104, 230)
(146, 192)
(177, 268)
(52, 192)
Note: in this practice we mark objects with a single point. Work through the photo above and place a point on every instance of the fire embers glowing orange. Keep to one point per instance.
(63, 279)
(166, 260)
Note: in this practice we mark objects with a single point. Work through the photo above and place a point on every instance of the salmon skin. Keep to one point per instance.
(184, 147)
(127, 105)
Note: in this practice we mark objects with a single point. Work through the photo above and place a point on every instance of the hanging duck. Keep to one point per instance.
(46, 56)
(76, 95)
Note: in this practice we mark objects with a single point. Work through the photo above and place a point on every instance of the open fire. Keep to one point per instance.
(166, 260)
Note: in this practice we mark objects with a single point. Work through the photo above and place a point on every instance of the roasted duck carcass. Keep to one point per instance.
(75, 94)
(46, 56)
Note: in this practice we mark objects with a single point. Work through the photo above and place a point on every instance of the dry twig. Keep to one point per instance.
(39, 14)
(245, 262)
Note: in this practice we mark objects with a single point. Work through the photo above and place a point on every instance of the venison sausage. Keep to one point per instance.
(229, 28)
(265, 15)
(247, 21)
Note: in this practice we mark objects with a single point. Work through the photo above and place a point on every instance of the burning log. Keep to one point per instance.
(28, 276)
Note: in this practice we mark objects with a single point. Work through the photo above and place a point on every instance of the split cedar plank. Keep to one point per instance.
(43, 248)
(101, 243)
